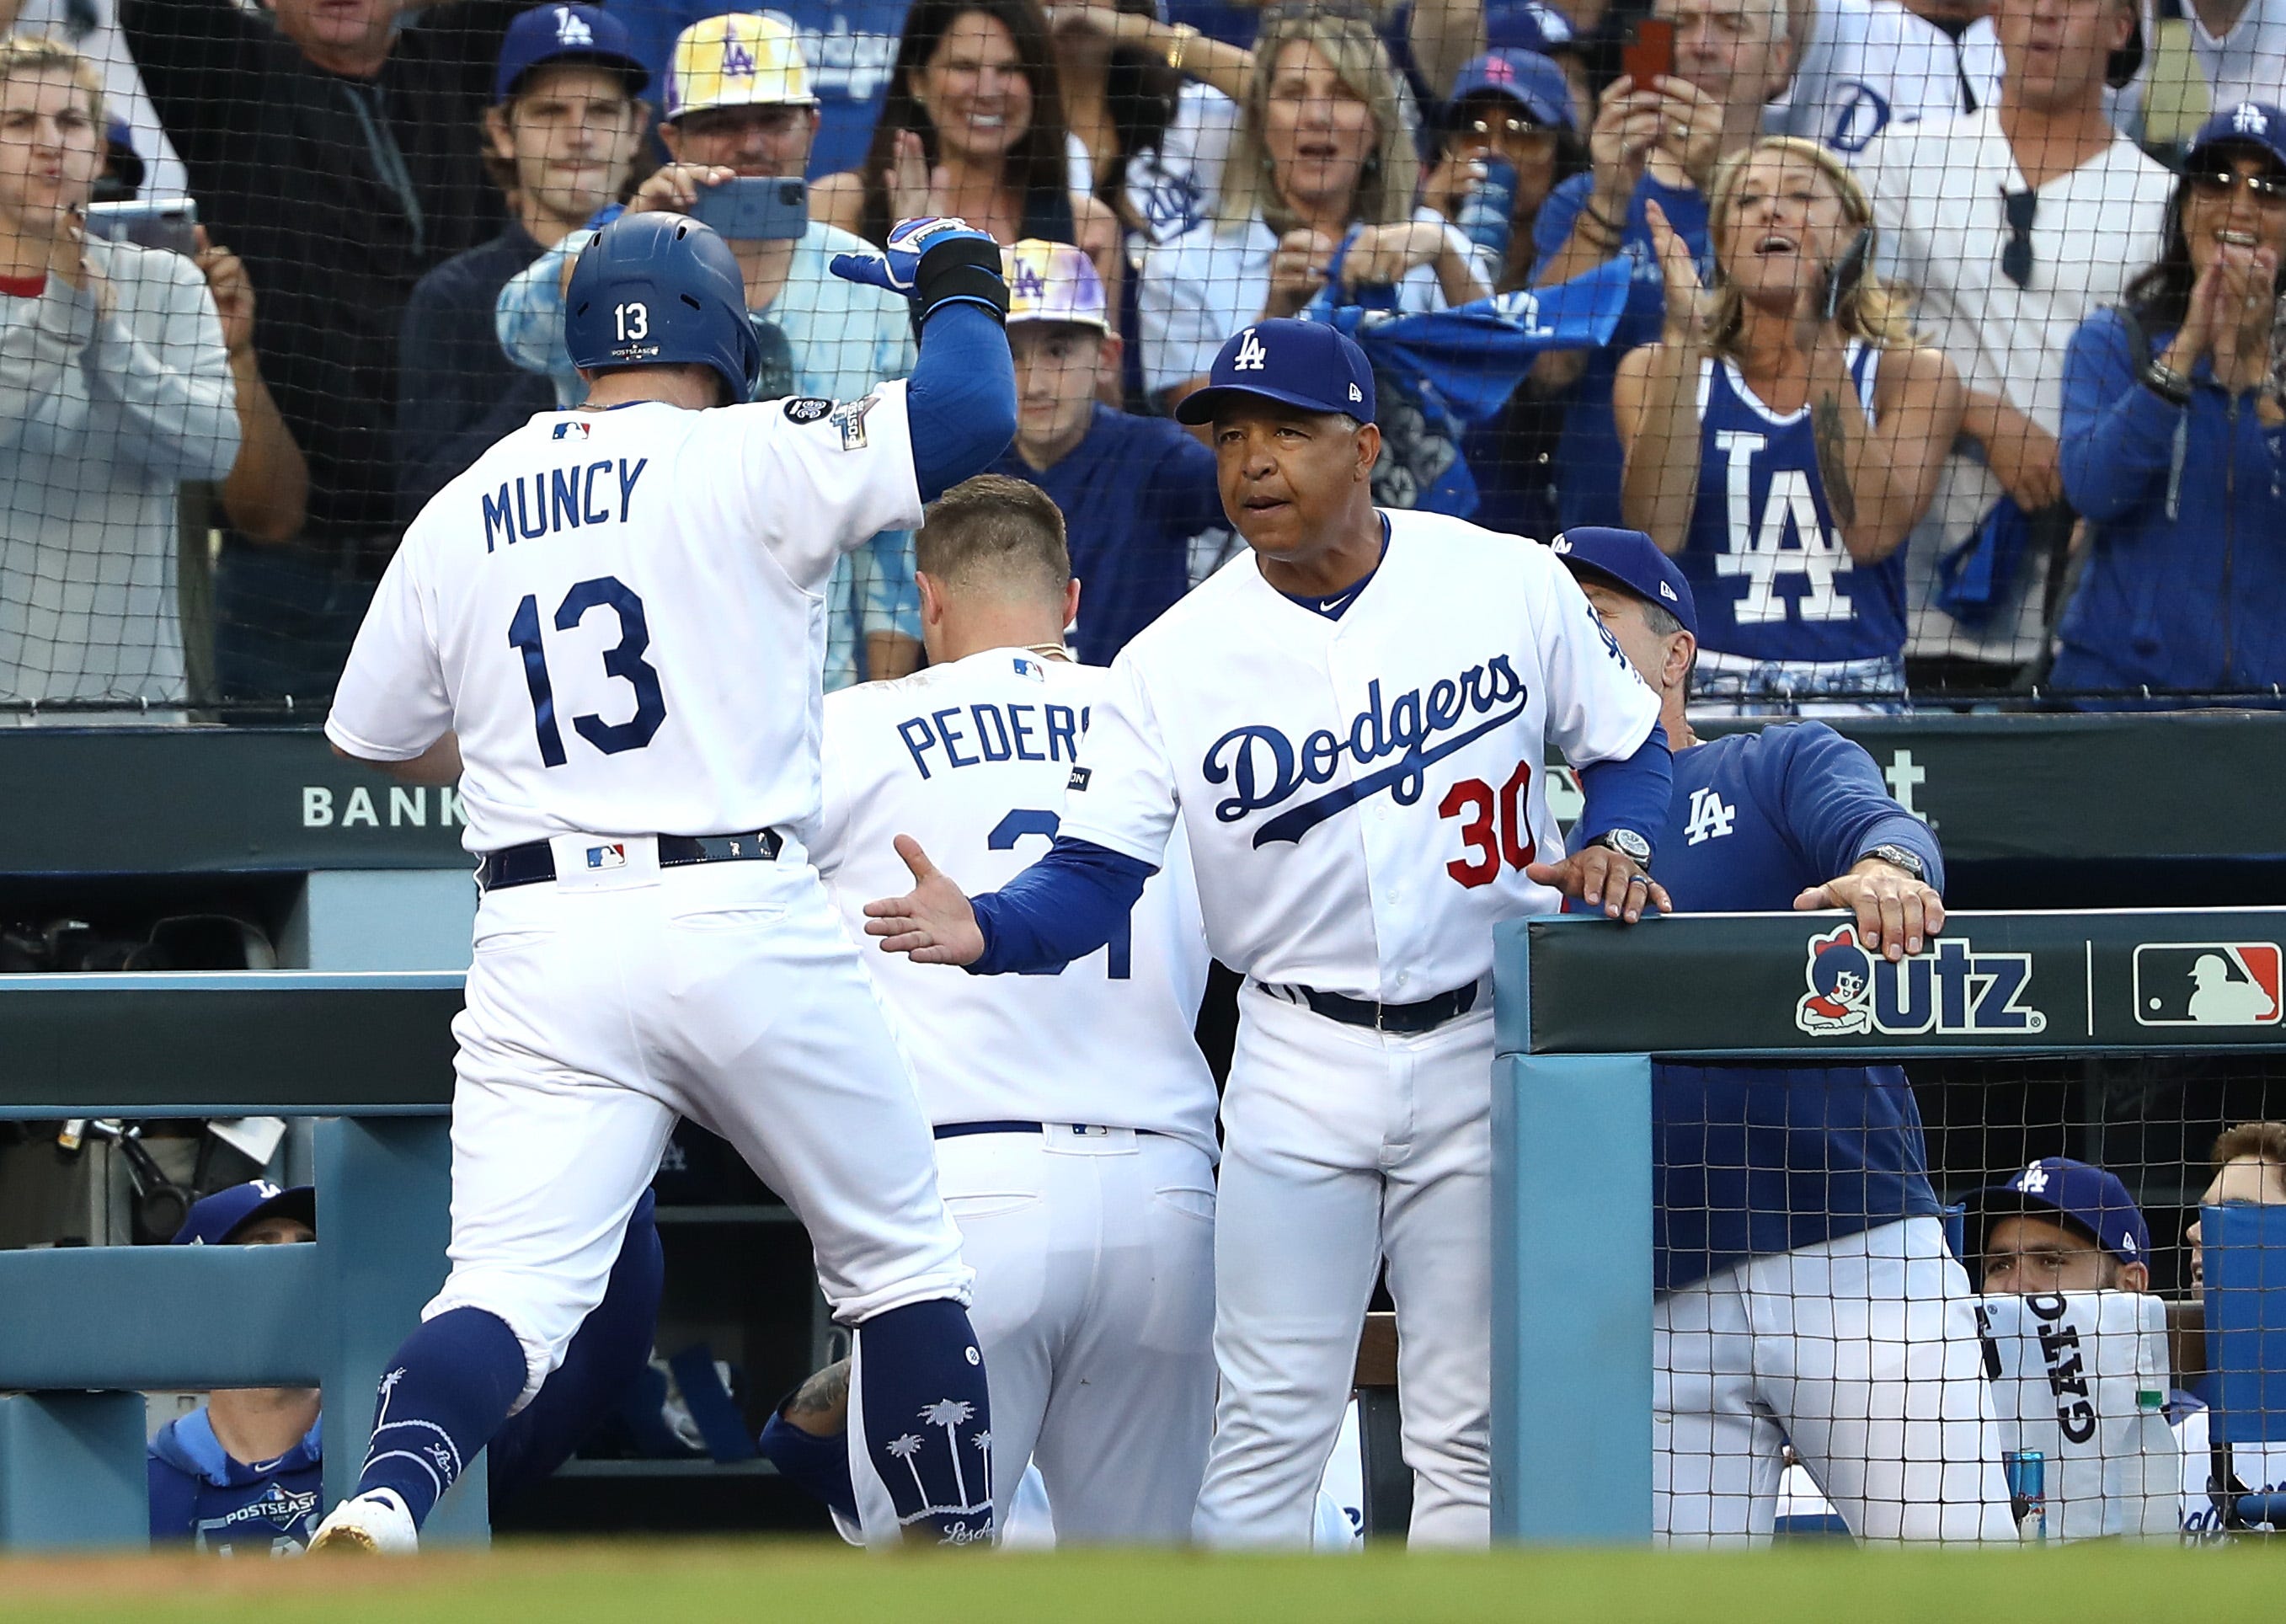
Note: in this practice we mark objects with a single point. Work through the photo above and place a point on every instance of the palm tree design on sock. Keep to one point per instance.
(904, 1448)
(950, 1414)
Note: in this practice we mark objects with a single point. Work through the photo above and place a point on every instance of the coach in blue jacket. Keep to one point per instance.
(1806, 1294)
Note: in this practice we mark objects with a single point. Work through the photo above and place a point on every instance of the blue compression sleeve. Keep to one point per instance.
(1632, 794)
(1064, 907)
(961, 399)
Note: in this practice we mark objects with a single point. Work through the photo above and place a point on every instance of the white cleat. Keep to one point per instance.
(375, 1523)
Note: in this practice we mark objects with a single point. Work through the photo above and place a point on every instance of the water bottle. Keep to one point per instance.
(1487, 217)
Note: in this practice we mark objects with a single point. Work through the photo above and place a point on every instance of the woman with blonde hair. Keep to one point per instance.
(1783, 436)
(1320, 182)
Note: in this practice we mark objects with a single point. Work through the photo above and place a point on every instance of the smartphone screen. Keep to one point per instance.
(755, 208)
(170, 222)
(1651, 54)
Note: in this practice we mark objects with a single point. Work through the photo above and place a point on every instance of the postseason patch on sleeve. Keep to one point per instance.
(807, 409)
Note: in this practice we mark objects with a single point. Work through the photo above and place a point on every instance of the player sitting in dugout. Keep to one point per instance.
(239, 1475)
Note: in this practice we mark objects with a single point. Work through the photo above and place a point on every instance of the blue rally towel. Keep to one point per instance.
(1973, 578)
(1438, 371)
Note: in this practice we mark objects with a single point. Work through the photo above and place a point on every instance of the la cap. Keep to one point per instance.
(1054, 281)
(1631, 561)
(565, 34)
(1303, 363)
(2249, 123)
(741, 59)
(217, 1219)
(2091, 1199)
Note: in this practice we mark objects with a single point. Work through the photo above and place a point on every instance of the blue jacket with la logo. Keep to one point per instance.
(1755, 1160)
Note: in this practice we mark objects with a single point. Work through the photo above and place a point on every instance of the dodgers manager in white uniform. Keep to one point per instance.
(1352, 720)
(610, 630)
(1073, 1113)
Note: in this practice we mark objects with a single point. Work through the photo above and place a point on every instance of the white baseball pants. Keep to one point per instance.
(1342, 1147)
(601, 1010)
(1865, 1353)
(1094, 1306)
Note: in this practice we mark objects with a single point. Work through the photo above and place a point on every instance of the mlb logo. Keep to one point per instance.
(612, 857)
(2207, 983)
(574, 430)
(1029, 667)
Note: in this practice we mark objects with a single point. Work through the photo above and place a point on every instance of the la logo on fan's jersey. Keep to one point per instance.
(1952, 989)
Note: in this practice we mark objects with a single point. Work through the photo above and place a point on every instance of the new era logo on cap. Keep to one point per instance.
(1667, 592)
(1357, 395)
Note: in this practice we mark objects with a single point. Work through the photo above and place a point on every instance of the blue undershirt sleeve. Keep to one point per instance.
(961, 397)
(1628, 793)
(1064, 907)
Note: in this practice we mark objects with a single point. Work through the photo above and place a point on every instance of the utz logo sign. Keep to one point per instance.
(1951, 988)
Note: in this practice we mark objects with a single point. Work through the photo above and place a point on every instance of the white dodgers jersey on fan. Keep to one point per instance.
(972, 760)
(1360, 796)
(622, 615)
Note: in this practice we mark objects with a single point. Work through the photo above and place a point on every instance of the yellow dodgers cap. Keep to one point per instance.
(1054, 281)
(743, 59)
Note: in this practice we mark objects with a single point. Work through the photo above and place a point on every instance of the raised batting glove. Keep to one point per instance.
(935, 261)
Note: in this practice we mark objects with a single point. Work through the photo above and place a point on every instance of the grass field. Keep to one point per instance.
(651, 1582)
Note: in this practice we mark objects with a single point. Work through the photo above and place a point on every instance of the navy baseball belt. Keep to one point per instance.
(535, 860)
(1426, 1015)
(963, 1130)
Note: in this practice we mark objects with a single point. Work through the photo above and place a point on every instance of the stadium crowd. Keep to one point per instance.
(1935, 343)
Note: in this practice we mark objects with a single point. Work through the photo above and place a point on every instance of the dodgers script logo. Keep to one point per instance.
(1264, 769)
(1952, 989)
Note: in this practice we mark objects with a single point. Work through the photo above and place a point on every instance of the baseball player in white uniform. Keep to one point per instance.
(1073, 1113)
(1352, 720)
(610, 630)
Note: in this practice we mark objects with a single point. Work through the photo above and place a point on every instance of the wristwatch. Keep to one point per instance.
(1627, 843)
(2164, 380)
(1898, 857)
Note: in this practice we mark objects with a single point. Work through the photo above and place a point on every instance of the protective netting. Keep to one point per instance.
(2026, 1298)
(1975, 397)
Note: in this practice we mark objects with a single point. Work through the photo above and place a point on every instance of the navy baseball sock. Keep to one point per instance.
(443, 1396)
(919, 1404)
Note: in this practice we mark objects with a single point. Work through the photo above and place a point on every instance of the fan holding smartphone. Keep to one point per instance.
(1783, 436)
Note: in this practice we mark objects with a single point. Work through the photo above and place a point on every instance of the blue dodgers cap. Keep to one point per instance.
(1526, 78)
(2250, 123)
(1630, 560)
(2091, 1198)
(217, 1219)
(1302, 364)
(566, 34)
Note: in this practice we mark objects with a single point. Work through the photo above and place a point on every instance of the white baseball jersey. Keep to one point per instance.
(1869, 64)
(973, 758)
(1360, 796)
(622, 615)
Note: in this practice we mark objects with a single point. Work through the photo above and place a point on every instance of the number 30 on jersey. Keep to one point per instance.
(1496, 826)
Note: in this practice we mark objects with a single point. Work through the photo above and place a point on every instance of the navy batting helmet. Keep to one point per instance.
(651, 289)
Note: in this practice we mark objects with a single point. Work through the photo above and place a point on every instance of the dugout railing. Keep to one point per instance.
(85, 1330)
(1584, 1008)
